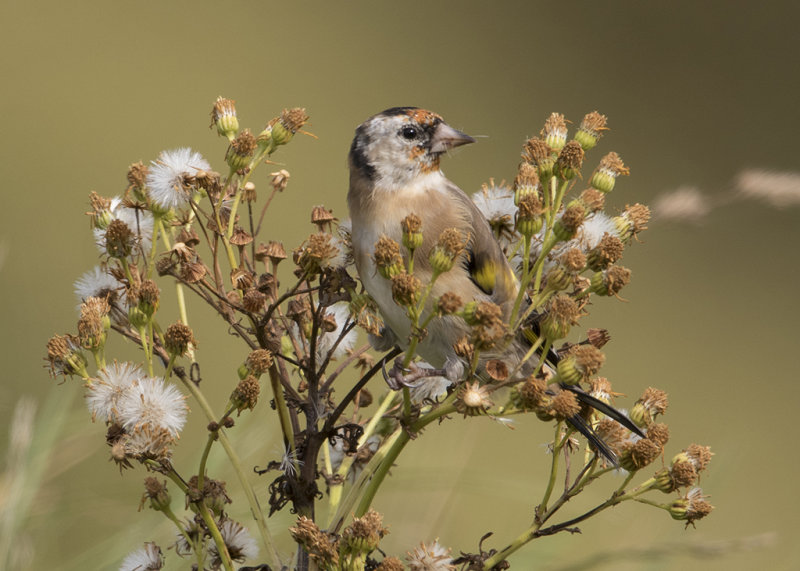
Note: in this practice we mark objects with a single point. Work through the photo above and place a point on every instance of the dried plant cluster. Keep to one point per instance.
(298, 315)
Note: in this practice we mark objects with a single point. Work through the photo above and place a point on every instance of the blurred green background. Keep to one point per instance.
(694, 91)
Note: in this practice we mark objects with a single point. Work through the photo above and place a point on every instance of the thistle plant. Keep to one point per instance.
(299, 316)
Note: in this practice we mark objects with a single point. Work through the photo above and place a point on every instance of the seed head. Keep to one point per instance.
(119, 239)
(449, 246)
(178, 338)
(561, 313)
(245, 395)
(652, 403)
(405, 289)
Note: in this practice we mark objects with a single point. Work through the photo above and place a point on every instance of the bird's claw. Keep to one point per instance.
(411, 377)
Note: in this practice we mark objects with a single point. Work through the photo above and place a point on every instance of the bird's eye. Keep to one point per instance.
(409, 133)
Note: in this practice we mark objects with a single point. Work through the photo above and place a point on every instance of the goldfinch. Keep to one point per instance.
(394, 171)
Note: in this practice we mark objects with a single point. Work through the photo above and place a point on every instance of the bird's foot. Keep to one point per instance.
(410, 377)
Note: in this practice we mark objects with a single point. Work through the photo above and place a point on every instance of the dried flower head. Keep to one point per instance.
(245, 395)
(412, 231)
(530, 394)
(591, 130)
(610, 167)
(448, 247)
(364, 534)
(321, 547)
(223, 117)
(570, 220)
(430, 558)
(64, 356)
(611, 280)
(319, 252)
(561, 312)
(254, 301)
(652, 403)
(94, 322)
(405, 289)
(570, 160)
(554, 131)
(322, 218)
(580, 363)
(636, 455)
(178, 339)
(632, 221)
(387, 257)
(120, 240)
(449, 303)
(607, 251)
(258, 362)
(280, 179)
(691, 507)
(564, 404)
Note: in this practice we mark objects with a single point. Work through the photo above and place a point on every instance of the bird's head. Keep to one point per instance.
(397, 146)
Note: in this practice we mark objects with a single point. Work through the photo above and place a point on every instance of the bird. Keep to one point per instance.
(394, 163)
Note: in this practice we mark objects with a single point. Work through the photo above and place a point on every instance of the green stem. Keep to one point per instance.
(335, 494)
(283, 414)
(236, 464)
(558, 443)
(213, 529)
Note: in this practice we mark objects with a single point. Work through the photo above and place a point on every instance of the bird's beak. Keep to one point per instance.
(445, 138)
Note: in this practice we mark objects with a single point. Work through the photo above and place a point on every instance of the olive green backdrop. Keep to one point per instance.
(694, 91)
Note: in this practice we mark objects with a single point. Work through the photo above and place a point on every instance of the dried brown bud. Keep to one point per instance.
(178, 338)
(593, 199)
(259, 361)
(322, 217)
(573, 260)
(280, 179)
(245, 395)
(564, 405)
(254, 301)
(119, 239)
(449, 303)
(405, 289)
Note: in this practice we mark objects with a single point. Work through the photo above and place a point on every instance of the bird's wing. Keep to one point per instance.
(485, 261)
